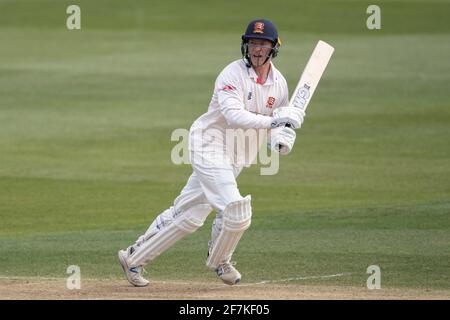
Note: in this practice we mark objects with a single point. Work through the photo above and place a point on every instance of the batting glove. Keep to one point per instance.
(287, 116)
(282, 139)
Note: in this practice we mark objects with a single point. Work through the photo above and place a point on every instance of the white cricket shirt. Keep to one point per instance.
(239, 101)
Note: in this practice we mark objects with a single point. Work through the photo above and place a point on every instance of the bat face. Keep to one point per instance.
(311, 75)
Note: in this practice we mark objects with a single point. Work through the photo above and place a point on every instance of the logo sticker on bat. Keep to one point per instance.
(302, 97)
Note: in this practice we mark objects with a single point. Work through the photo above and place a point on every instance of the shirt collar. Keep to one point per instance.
(270, 79)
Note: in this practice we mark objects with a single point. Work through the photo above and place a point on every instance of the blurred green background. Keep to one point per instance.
(86, 117)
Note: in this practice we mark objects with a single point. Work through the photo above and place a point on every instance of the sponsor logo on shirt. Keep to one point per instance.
(228, 88)
(270, 102)
(249, 97)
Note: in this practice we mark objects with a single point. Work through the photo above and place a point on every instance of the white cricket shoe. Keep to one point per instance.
(228, 273)
(134, 274)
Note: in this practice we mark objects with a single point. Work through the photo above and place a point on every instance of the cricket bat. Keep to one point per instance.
(311, 75)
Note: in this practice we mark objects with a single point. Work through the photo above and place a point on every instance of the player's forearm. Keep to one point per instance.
(241, 118)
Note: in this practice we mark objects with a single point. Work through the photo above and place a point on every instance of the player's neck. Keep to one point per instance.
(262, 72)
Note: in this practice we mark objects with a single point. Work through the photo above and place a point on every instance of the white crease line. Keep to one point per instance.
(294, 279)
(222, 285)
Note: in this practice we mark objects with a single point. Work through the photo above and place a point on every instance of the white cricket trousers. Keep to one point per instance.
(213, 182)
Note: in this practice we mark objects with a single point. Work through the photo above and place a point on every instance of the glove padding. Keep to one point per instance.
(287, 116)
(281, 139)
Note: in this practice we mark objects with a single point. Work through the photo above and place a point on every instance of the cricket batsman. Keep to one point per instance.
(249, 94)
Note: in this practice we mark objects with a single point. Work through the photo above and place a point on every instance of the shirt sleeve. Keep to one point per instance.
(230, 99)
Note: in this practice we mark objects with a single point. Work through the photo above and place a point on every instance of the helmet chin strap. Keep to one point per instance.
(265, 61)
(248, 60)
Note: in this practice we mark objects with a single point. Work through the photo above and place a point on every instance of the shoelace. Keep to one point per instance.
(227, 266)
(139, 270)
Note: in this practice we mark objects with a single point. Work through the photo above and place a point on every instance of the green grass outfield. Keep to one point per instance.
(86, 118)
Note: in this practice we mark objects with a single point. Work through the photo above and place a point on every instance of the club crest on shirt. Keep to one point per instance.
(249, 97)
(270, 102)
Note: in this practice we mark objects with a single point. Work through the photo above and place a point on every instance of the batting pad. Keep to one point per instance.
(189, 221)
(236, 219)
